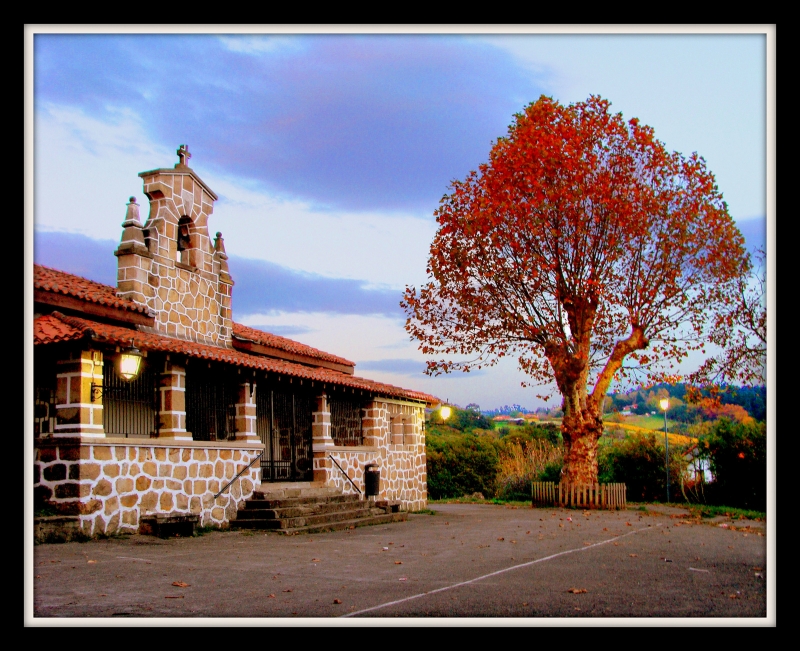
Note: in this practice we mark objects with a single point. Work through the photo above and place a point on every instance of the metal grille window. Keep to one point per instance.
(211, 396)
(130, 408)
(346, 426)
(283, 423)
(44, 396)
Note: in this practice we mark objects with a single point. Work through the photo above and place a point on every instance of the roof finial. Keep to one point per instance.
(183, 156)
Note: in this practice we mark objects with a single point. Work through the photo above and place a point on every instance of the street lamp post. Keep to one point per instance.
(665, 405)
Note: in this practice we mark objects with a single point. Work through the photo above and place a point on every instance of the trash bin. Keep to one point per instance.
(372, 480)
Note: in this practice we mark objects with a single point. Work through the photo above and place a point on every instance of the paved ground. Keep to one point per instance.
(477, 561)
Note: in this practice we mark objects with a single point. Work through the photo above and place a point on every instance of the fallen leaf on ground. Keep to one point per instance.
(632, 555)
(180, 584)
(174, 596)
(289, 590)
(315, 560)
(587, 543)
(91, 561)
(628, 524)
(501, 538)
(271, 596)
(102, 594)
(605, 528)
(38, 576)
(398, 562)
(402, 578)
(337, 601)
(577, 590)
(527, 532)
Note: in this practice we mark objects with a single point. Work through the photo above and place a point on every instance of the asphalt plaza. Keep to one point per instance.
(481, 561)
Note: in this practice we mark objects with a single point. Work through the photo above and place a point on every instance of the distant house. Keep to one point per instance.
(214, 408)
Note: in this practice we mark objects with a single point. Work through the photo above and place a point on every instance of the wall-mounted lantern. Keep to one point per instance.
(130, 363)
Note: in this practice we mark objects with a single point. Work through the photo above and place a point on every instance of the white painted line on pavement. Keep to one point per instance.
(486, 576)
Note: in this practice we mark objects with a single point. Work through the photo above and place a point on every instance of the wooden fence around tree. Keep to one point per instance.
(589, 496)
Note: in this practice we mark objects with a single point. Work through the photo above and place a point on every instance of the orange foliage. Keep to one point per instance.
(581, 245)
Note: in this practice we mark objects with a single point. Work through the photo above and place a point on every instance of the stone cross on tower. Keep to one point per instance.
(183, 156)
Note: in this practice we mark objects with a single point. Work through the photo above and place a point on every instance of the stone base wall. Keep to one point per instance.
(111, 484)
(395, 441)
(403, 475)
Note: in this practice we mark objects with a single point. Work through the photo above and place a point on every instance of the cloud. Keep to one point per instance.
(283, 330)
(398, 366)
(754, 231)
(346, 121)
(261, 287)
(77, 254)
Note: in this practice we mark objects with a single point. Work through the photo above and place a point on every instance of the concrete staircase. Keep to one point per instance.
(307, 507)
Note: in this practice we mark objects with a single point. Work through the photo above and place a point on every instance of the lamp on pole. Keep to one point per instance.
(664, 402)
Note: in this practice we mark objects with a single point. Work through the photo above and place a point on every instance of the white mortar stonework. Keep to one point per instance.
(403, 475)
(112, 484)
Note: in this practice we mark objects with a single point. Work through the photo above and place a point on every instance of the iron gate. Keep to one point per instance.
(283, 423)
(130, 408)
(211, 396)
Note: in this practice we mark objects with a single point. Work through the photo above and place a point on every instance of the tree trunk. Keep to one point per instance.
(581, 429)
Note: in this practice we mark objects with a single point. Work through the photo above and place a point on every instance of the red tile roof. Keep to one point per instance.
(50, 329)
(59, 327)
(60, 282)
(282, 343)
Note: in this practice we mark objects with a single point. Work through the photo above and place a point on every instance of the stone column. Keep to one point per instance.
(374, 425)
(79, 402)
(172, 409)
(321, 441)
(398, 427)
(246, 413)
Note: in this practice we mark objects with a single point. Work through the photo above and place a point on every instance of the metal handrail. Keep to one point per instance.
(344, 473)
(239, 475)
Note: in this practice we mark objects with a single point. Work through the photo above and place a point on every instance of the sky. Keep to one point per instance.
(330, 152)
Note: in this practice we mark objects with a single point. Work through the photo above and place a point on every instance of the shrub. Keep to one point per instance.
(639, 462)
(737, 453)
(520, 463)
(461, 465)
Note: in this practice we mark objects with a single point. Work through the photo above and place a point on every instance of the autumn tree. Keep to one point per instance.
(585, 250)
(739, 330)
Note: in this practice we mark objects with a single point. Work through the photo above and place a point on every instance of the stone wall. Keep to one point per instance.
(394, 440)
(111, 484)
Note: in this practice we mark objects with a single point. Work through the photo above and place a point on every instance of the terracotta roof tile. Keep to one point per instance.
(282, 343)
(50, 329)
(60, 282)
(75, 327)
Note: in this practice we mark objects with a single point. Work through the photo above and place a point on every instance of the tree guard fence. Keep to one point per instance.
(589, 496)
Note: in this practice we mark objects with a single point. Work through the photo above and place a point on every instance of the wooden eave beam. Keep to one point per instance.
(71, 303)
(270, 351)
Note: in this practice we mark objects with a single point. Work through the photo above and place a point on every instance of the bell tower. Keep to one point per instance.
(170, 263)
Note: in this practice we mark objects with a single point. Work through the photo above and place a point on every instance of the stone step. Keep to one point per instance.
(304, 520)
(294, 490)
(302, 507)
(258, 511)
(321, 527)
(290, 502)
(341, 525)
